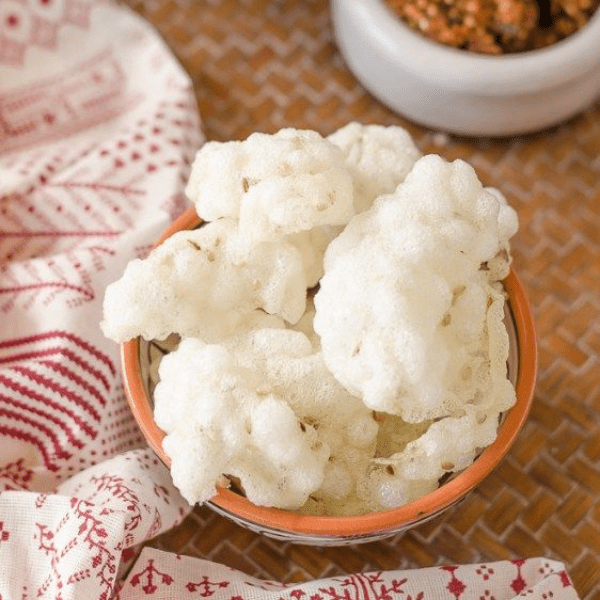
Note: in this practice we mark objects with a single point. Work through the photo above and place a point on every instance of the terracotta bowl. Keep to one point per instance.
(287, 525)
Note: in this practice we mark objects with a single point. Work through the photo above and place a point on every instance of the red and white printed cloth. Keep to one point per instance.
(157, 574)
(98, 127)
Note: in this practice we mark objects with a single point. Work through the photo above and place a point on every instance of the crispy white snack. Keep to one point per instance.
(291, 181)
(305, 324)
(291, 366)
(287, 396)
(383, 489)
(378, 157)
(407, 315)
(220, 418)
(312, 245)
(204, 283)
(257, 319)
(264, 407)
(450, 444)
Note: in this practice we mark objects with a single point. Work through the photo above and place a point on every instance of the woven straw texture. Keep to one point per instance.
(266, 64)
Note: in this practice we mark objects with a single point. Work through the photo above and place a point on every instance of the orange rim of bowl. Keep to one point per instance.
(372, 523)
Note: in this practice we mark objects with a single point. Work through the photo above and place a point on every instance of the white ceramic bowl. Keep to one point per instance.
(464, 92)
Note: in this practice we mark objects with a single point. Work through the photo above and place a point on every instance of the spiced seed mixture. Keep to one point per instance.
(495, 26)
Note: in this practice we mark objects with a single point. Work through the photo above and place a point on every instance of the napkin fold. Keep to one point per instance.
(157, 574)
(77, 541)
(98, 128)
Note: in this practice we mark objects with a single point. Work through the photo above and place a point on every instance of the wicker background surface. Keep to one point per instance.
(266, 64)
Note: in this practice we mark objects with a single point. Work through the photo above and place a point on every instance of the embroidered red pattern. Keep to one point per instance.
(91, 535)
(117, 488)
(147, 577)
(369, 586)
(90, 93)
(47, 280)
(206, 586)
(455, 586)
(50, 386)
(15, 475)
(518, 583)
(37, 24)
(4, 533)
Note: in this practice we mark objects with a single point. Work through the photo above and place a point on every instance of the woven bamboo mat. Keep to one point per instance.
(266, 64)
